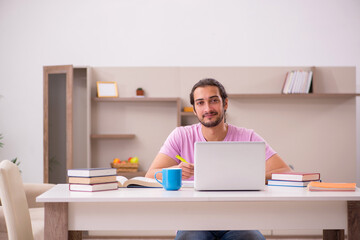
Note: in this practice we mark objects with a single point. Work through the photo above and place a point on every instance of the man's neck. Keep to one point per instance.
(217, 133)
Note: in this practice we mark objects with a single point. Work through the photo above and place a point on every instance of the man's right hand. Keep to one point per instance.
(164, 161)
(187, 170)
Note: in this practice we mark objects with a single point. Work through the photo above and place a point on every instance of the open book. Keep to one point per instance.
(137, 182)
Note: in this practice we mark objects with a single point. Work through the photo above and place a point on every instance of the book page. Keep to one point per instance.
(121, 180)
(144, 179)
(142, 182)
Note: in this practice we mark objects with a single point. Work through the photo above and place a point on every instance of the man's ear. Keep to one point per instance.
(226, 104)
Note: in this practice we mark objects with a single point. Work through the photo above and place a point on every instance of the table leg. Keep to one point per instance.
(75, 235)
(353, 208)
(56, 221)
(336, 234)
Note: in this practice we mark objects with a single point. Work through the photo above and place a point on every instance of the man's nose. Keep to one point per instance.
(207, 106)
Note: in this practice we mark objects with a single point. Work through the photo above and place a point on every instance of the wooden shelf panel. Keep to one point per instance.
(187, 114)
(112, 136)
(132, 174)
(294, 95)
(136, 99)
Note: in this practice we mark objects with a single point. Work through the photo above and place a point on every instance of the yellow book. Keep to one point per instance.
(324, 186)
(92, 180)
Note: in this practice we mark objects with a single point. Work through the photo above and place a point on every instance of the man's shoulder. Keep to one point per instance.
(239, 133)
(237, 129)
(188, 132)
(188, 128)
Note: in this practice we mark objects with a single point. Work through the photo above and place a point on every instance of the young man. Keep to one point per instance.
(210, 102)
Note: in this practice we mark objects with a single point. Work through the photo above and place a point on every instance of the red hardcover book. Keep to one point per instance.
(296, 176)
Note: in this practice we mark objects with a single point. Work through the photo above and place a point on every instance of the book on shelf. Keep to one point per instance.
(124, 182)
(93, 187)
(92, 180)
(308, 84)
(286, 83)
(299, 81)
(326, 186)
(91, 172)
(296, 176)
(283, 183)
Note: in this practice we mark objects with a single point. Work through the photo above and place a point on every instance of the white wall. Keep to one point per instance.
(155, 33)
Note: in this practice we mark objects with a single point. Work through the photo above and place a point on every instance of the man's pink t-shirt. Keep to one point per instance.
(181, 141)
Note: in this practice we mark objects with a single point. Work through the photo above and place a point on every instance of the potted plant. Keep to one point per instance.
(15, 160)
(139, 92)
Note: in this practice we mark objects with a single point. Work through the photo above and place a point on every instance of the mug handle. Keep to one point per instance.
(156, 178)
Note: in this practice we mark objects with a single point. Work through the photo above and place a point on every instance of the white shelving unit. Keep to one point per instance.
(313, 132)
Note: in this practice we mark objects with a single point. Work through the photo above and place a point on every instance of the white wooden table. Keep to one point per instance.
(187, 209)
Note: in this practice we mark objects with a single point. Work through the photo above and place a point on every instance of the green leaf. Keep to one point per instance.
(1, 144)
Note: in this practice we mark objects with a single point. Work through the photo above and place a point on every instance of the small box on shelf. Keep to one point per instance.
(188, 109)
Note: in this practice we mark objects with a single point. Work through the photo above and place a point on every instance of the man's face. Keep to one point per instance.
(208, 106)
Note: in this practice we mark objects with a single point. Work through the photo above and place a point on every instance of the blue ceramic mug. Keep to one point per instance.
(171, 178)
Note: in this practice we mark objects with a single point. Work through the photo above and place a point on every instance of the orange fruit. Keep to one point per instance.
(116, 160)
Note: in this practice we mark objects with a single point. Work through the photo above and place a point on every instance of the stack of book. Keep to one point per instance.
(293, 179)
(298, 82)
(92, 179)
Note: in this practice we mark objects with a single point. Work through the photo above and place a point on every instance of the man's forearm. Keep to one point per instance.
(279, 170)
(151, 173)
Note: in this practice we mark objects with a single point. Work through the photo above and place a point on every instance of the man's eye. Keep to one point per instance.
(215, 100)
(199, 103)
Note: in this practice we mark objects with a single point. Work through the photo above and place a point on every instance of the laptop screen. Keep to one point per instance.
(229, 166)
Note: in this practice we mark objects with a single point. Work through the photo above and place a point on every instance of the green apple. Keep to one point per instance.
(134, 160)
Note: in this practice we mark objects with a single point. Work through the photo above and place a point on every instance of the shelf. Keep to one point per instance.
(294, 95)
(97, 123)
(187, 114)
(112, 136)
(175, 100)
(132, 174)
(136, 99)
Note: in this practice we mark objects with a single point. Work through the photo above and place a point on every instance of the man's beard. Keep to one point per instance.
(213, 123)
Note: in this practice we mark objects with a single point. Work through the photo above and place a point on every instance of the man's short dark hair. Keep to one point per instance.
(208, 82)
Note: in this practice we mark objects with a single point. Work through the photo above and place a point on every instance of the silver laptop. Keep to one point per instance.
(229, 166)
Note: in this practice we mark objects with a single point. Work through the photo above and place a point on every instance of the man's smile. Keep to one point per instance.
(210, 114)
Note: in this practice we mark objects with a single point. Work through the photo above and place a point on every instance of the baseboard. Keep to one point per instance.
(312, 237)
(293, 237)
(128, 237)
